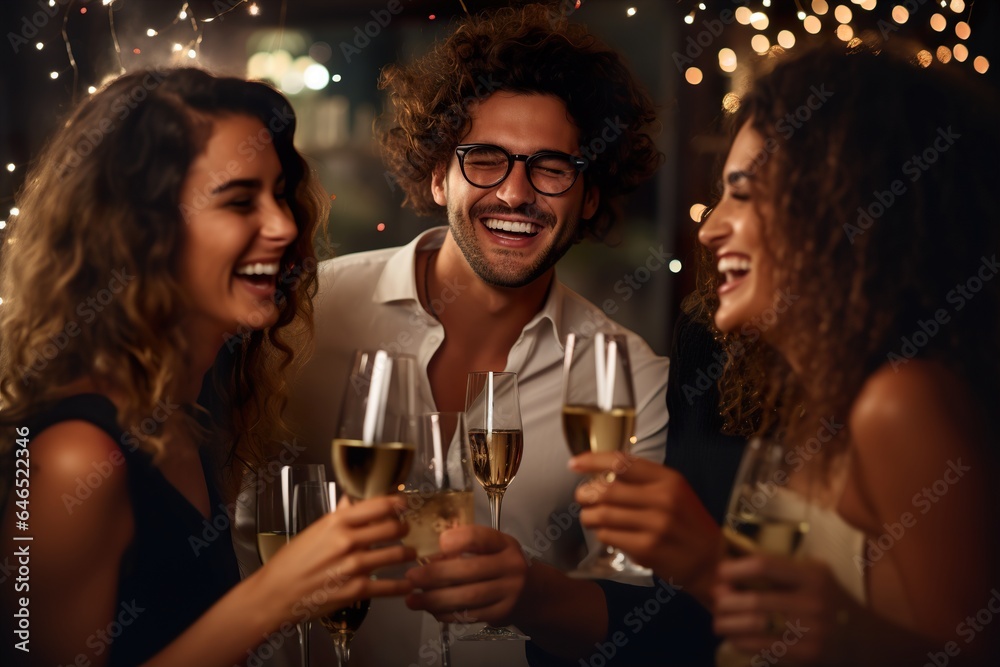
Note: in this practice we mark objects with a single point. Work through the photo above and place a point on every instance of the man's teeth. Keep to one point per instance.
(727, 264)
(509, 226)
(257, 269)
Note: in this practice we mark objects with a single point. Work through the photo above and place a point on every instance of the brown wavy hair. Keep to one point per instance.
(103, 199)
(869, 274)
(533, 49)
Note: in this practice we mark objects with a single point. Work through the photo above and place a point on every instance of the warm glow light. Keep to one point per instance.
(820, 7)
(759, 21)
(336, 78)
(54, 75)
(675, 266)
(760, 43)
(869, 5)
(845, 32)
(192, 54)
(689, 19)
(727, 60)
(183, 15)
(693, 76)
(843, 14)
(900, 14)
(812, 25)
(10, 166)
(943, 54)
(39, 46)
(963, 30)
(91, 89)
(695, 212)
(924, 58)
(701, 6)
(380, 227)
(939, 22)
(958, 6)
(253, 9)
(177, 47)
(150, 33)
(743, 15)
(801, 15)
(961, 52)
(731, 102)
(981, 64)
(786, 39)
(17, 211)
(630, 11)
(316, 77)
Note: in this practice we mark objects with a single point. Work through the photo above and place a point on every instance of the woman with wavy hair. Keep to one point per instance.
(160, 263)
(852, 280)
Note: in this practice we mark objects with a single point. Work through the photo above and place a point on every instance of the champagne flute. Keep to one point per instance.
(493, 412)
(370, 454)
(439, 489)
(599, 416)
(764, 516)
(311, 501)
(274, 518)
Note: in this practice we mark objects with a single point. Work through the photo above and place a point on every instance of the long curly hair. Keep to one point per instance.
(88, 273)
(533, 49)
(884, 233)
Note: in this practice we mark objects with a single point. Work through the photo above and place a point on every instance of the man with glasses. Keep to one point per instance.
(526, 132)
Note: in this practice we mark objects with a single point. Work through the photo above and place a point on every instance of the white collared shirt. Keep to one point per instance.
(369, 300)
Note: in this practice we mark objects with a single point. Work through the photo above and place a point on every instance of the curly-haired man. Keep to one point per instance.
(526, 131)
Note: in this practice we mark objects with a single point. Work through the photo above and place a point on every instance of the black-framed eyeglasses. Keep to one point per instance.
(549, 172)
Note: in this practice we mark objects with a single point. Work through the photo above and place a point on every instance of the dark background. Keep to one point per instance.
(336, 121)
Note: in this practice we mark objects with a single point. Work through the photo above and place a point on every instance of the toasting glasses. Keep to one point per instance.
(274, 519)
(493, 411)
(599, 416)
(371, 455)
(764, 516)
(439, 489)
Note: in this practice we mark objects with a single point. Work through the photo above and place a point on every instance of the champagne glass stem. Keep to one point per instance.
(304, 642)
(342, 648)
(445, 645)
(496, 498)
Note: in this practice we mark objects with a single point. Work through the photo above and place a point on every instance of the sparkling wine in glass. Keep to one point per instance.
(766, 515)
(438, 490)
(371, 453)
(493, 412)
(599, 416)
(275, 486)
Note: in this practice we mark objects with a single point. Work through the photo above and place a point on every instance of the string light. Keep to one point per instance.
(786, 39)
(981, 64)
(900, 14)
(963, 30)
(843, 14)
(10, 166)
(938, 23)
(693, 75)
(17, 211)
(689, 19)
(759, 21)
(812, 25)
(696, 212)
(630, 11)
(961, 52)
(39, 46)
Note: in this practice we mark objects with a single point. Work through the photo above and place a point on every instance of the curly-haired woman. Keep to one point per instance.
(852, 279)
(163, 251)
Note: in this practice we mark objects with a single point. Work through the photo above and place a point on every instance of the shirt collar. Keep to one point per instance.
(398, 280)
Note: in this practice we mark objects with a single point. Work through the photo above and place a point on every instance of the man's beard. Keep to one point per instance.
(508, 273)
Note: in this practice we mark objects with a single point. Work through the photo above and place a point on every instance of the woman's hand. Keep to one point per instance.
(792, 607)
(650, 512)
(327, 566)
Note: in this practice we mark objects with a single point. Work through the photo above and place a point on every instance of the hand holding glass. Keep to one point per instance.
(599, 416)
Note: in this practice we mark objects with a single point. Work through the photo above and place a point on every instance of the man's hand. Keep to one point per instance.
(479, 576)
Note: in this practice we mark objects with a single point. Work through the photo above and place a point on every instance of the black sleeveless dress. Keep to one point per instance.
(178, 564)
